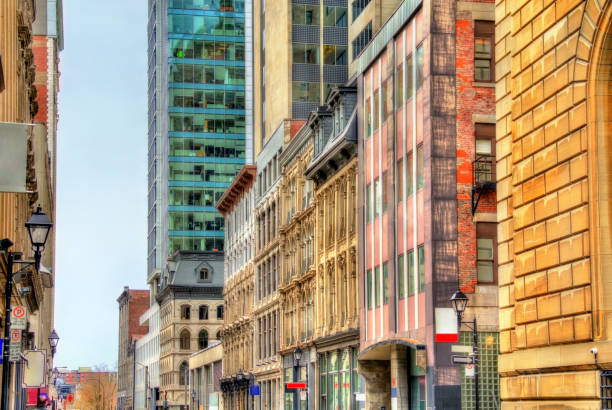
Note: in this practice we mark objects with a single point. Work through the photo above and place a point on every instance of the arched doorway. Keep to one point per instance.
(600, 173)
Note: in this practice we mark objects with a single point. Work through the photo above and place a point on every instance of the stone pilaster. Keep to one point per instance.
(378, 383)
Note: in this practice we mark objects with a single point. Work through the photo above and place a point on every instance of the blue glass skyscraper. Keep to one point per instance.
(199, 112)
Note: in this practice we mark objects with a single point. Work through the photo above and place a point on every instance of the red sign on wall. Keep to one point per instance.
(296, 385)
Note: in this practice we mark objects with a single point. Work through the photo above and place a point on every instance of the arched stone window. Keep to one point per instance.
(185, 340)
(183, 376)
(203, 339)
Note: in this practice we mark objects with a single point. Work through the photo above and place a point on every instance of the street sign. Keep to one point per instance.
(18, 318)
(15, 336)
(35, 371)
(360, 397)
(303, 395)
(462, 349)
(469, 370)
(15, 345)
(254, 390)
(14, 353)
(463, 359)
(446, 325)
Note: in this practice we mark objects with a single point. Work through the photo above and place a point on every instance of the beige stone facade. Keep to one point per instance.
(336, 252)
(553, 156)
(267, 308)
(191, 316)
(237, 205)
(297, 245)
(19, 103)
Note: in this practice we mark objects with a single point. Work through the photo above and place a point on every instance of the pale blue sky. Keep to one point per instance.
(101, 199)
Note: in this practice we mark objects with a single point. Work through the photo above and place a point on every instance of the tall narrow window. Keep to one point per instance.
(484, 61)
(185, 340)
(203, 312)
(203, 339)
(385, 283)
(484, 135)
(370, 290)
(183, 377)
(377, 279)
(421, 268)
(411, 273)
(185, 312)
(486, 264)
(420, 167)
(220, 312)
(399, 86)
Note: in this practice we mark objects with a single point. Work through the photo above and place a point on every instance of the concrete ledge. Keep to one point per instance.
(548, 405)
(582, 385)
(554, 358)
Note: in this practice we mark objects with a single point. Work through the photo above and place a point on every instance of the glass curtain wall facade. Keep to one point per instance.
(314, 23)
(197, 118)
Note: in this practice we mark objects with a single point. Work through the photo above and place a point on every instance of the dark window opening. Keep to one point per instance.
(484, 48)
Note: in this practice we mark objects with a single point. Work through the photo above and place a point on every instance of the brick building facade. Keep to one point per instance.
(132, 304)
(553, 158)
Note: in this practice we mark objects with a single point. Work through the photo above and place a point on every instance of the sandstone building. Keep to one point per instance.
(297, 286)
(266, 307)
(553, 170)
(237, 205)
(190, 301)
(31, 37)
(333, 170)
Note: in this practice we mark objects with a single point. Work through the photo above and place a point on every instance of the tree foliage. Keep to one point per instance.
(98, 392)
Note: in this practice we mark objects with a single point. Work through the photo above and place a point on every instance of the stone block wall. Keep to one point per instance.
(545, 232)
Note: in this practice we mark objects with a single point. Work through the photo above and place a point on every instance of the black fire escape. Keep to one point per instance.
(483, 177)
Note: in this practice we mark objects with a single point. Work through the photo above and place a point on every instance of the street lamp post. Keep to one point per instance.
(38, 227)
(53, 341)
(459, 301)
(240, 380)
(297, 356)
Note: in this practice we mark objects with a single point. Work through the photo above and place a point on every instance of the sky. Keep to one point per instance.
(102, 195)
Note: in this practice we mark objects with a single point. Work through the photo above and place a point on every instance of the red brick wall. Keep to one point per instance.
(139, 303)
(470, 100)
(39, 48)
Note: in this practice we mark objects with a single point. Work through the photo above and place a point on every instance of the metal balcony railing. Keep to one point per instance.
(483, 177)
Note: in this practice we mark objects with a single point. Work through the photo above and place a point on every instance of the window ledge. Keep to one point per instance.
(484, 85)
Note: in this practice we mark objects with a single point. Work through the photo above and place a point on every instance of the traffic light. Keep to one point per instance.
(70, 398)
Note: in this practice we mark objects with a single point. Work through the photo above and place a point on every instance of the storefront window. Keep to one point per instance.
(338, 379)
(288, 395)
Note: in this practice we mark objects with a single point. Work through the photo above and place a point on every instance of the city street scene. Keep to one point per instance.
(306, 204)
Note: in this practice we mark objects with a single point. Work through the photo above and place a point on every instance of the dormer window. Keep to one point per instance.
(204, 275)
